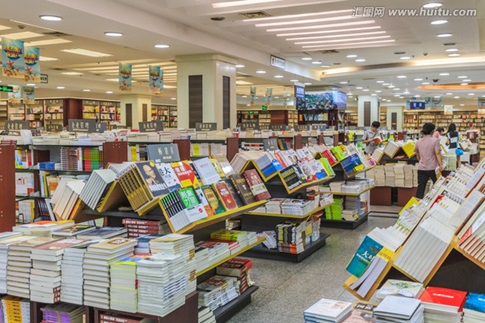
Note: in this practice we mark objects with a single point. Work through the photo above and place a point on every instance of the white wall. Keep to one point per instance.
(374, 109)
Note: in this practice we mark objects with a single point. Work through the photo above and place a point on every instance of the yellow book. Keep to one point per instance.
(409, 149)
(412, 201)
(218, 167)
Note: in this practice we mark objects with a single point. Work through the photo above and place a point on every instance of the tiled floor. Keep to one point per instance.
(287, 289)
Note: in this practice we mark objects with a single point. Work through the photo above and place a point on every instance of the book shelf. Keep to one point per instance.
(91, 110)
(54, 112)
(108, 111)
(165, 113)
(3, 113)
(332, 118)
(292, 216)
(16, 111)
(272, 116)
(35, 113)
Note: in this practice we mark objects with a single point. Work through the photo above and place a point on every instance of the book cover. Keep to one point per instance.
(75, 230)
(243, 189)
(367, 250)
(225, 196)
(169, 177)
(225, 165)
(185, 174)
(259, 190)
(234, 192)
(204, 202)
(207, 173)
(153, 179)
(400, 288)
(213, 199)
(218, 167)
(444, 296)
(475, 302)
(189, 197)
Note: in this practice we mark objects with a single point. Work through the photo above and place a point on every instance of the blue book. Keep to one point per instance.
(475, 302)
(363, 256)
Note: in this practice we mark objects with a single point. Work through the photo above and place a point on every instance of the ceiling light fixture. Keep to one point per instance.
(444, 74)
(351, 56)
(307, 83)
(293, 81)
(379, 81)
(302, 15)
(464, 84)
(332, 31)
(360, 60)
(304, 21)
(439, 22)
(244, 96)
(431, 5)
(61, 87)
(341, 40)
(260, 72)
(50, 18)
(391, 86)
(444, 35)
(86, 90)
(378, 91)
(338, 36)
(278, 76)
(449, 93)
(401, 76)
(307, 59)
(454, 55)
(30, 84)
(85, 52)
(219, 5)
(109, 92)
(471, 93)
(240, 66)
(456, 97)
(467, 80)
(344, 82)
(173, 99)
(72, 73)
(354, 23)
(359, 88)
(365, 90)
(418, 79)
(325, 66)
(317, 62)
(162, 46)
(333, 46)
(405, 57)
(113, 34)
(47, 59)
(425, 83)
(451, 50)
(462, 77)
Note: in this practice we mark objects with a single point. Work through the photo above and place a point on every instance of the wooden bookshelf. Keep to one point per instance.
(293, 216)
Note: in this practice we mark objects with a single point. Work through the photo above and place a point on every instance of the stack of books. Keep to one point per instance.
(391, 149)
(92, 158)
(96, 264)
(19, 265)
(97, 186)
(42, 228)
(72, 273)
(206, 315)
(71, 158)
(208, 253)
(400, 309)
(217, 291)
(109, 317)
(474, 309)
(73, 231)
(390, 175)
(16, 309)
(124, 285)
(298, 206)
(327, 310)
(45, 275)
(61, 312)
(290, 237)
(137, 228)
(470, 237)
(443, 304)
(238, 268)
(162, 283)
(103, 233)
(7, 239)
(143, 246)
(65, 198)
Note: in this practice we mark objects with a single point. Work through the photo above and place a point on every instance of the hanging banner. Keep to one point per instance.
(162, 80)
(252, 95)
(269, 96)
(14, 96)
(124, 77)
(154, 79)
(32, 64)
(28, 94)
(13, 64)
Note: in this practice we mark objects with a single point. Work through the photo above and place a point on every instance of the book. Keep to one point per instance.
(443, 299)
(102, 233)
(152, 178)
(328, 310)
(225, 196)
(207, 173)
(169, 176)
(234, 192)
(399, 308)
(400, 288)
(214, 201)
(259, 190)
(242, 188)
(74, 231)
(185, 174)
(367, 250)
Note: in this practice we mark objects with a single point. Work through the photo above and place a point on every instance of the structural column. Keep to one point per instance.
(368, 110)
(394, 118)
(135, 108)
(206, 90)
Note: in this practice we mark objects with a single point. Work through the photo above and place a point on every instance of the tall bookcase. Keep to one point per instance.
(109, 111)
(3, 113)
(288, 117)
(54, 112)
(35, 113)
(165, 113)
(91, 110)
(332, 118)
(16, 111)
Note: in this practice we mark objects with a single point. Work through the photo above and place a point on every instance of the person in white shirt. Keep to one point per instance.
(370, 137)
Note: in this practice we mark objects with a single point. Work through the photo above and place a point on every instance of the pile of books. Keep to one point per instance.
(6, 239)
(62, 313)
(206, 315)
(400, 309)
(143, 243)
(474, 309)
(400, 288)
(243, 238)
(123, 287)
(292, 237)
(65, 198)
(137, 228)
(390, 176)
(327, 310)
(443, 304)
(208, 253)
(103, 233)
(73, 231)
(92, 158)
(238, 268)
(162, 283)
(16, 309)
(109, 317)
(42, 228)
(217, 291)
(45, 275)
(97, 186)
(96, 269)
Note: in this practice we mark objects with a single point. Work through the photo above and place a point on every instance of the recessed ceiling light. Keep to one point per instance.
(462, 77)
(344, 82)
(454, 55)
(456, 97)
(351, 56)
(462, 104)
(373, 94)
(439, 22)
(418, 79)
(431, 5)
(405, 57)
(464, 84)
(417, 95)
(396, 89)
(61, 87)
(451, 50)
(109, 92)
(396, 95)
(86, 90)
(72, 73)
(47, 59)
(307, 83)
(444, 74)
(240, 66)
(113, 34)
(444, 35)
(437, 96)
(173, 99)
(401, 76)
(406, 92)
(385, 84)
(467, 80)
(317, 62)
(391, 86)
(162, 46)
(307, 59)
(471, 93)
(359, 87)
(425, 83)
(380, 81)
(30, 84)
(85, 52)
(365, 90)
(360, 60)
(378, 91)
(50, 18)
(350, 93)
(449, 93)
(325, 66)
(293, 80)
(244, 96)
(261, 72)
(239, 3)
(241, 82)
(278, 76)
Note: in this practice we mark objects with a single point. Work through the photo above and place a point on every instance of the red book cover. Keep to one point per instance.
(225, 196)
(256, 184)
(444, 297)
(185, 174)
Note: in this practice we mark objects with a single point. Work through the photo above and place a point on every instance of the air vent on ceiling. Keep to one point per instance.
(55, 34)
(329, 51)
(255, 14)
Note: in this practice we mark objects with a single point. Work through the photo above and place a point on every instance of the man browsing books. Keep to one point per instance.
(372, 138)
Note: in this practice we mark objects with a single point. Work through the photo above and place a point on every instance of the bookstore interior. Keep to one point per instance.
(238, 161)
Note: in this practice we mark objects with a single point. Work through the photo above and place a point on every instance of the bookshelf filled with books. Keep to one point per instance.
(16, 110)
(3, 113)
(109, 111)
(53, 113)
(447, 222)
(34, 112)
(91, 109)
(165, 113)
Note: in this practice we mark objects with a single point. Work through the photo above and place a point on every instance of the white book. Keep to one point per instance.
(206, 171)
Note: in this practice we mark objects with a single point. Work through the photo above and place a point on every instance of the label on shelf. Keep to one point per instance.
(15, 125)
(79, 125)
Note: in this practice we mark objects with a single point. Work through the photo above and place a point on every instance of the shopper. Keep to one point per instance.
(427, 151)
(453, 140)
(440, 131)
(372, 137)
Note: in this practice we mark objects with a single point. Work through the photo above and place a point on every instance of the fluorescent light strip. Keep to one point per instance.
(338, 36)
(305, 21)
(85, 52)
(328, 31)
(351, 44)
(344, 24)
(299, 15)
(47, 59)
(56, 41)
(22, 35)
(340, 40)
(219, 5)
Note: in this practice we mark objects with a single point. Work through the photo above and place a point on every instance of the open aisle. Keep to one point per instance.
(287, 289)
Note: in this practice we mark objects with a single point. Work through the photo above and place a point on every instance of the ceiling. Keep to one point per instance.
(313, 36)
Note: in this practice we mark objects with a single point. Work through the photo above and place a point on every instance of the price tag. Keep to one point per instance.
(150, 126)
(205, 126)
(80, 125)
(270, 144)
(16, 125)
(249, 126)
(163, 153)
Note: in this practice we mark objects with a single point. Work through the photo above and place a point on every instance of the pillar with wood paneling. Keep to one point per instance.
(7, 188)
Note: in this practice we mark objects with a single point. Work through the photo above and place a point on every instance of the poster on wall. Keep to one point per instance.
(28, 94)
(32, 64)
(269, 96)
(252, 94)
(124, 77)
(14, 97)
(154, 79)
(13, 64)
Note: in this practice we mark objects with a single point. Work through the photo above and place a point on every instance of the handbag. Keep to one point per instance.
(459, 151)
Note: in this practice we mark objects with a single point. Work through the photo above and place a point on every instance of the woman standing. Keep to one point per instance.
(453, 140)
